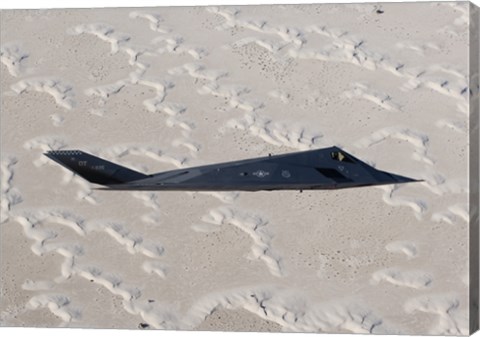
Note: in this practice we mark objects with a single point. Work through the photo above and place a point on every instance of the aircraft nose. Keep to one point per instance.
(398, 179)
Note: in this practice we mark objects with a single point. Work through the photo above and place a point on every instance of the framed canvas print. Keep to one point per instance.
(288, 168)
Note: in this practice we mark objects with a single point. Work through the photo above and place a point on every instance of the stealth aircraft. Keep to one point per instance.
(321, 169)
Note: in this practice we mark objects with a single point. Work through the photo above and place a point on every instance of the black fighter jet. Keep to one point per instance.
(329, 168)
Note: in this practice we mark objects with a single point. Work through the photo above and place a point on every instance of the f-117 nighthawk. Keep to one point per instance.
(321, 169)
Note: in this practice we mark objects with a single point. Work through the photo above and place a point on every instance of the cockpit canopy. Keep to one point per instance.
(340, 156)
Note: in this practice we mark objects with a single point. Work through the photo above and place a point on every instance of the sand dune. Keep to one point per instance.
(410, 278)
(453, 124)
(198, 71)
(13, 57)
(176, 45)
(416, 139)
(61, 92)
(154, 20)
(104, 32)
(418, 206)
(381, 99)
(155, 267)
(405, 247)
(294, 313)
(10, 195)
(418, 48)
(58, 304)
(453, 213)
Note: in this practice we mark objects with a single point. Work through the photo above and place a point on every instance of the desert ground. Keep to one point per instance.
(162, 88)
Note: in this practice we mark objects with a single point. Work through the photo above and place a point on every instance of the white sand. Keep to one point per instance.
(161, 88)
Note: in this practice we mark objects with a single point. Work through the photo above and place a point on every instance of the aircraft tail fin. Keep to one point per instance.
(95, 170)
